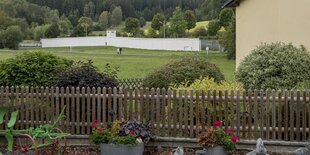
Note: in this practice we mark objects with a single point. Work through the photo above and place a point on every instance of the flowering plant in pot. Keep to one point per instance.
(123, 138)
(217, 140)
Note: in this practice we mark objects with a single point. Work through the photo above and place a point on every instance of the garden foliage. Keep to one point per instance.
(274, 66)
(187, 69)
(31, 69)
(84, 74)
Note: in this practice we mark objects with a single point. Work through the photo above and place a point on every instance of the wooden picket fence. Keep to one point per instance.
(271, 115)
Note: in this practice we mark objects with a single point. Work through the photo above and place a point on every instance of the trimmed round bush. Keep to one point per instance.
(84, 74)
(185, 70)
(274, 66)
(31, 69)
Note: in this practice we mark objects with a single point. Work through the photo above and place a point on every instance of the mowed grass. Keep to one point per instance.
(133, 63)
(203, 24)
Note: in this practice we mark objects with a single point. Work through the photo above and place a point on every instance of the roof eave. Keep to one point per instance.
(231, 3)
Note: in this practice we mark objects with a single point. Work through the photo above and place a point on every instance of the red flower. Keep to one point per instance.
(235, 139)
(132, 132)
(229, 130)
(24, 149)
(217, 123)
(99, 130)
(94, 125)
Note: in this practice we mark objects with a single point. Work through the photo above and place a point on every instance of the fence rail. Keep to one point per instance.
(272, 115)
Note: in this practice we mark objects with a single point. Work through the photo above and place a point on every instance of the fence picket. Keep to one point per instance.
(169, 112)
(280, 102)
(304, 116)
(191, 113)
(286, 111)
(273, 115)
(291, 116)
(255, 114)
(298, 116)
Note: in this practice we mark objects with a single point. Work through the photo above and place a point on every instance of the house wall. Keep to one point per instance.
(266, 21)
(175, 44)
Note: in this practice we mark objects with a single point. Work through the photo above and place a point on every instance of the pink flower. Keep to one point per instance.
(96, 121)
(100, 130)
(235, 139)
(217, 123)
(228, 131)
(132, 132)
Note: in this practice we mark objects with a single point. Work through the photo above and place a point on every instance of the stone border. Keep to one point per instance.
(172, 142)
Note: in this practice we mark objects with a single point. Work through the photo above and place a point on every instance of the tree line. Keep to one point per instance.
(205, 9)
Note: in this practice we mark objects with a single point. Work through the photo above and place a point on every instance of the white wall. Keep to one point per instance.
(175, 44)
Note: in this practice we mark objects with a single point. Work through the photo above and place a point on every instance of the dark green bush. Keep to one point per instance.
(274, 66)
(84, 74)
(187, 69)
(31, 69)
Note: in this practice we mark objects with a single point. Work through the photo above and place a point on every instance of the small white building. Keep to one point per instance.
(111, 33)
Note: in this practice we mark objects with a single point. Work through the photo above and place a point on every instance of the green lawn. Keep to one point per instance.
(133, 63)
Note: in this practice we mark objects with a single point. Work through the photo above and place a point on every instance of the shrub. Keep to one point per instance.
(274, 66)
(187, 69)
(305, 85)
(206, 84)
(84, 74)
(31, 69)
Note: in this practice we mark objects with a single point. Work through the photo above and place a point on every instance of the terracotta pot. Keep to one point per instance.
(112, 149)
(218, 150)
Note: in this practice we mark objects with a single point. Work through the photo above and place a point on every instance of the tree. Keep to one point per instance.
(132, 25)
(213, 27)
(211, 9)
(190, 19)
(116, 17)
(52, 31)
(142, 21)
(65, 26)
(84, 27)
(104, 20)
(226, 17)
(89, 10)
(5, 20)
(39, 32)
(158, 21)
(228, 40)
(11, 37)
(178, 23)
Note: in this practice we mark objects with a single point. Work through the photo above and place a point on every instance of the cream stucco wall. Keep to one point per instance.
(266, 21)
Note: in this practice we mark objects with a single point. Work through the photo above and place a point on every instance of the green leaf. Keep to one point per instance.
(3, 110)
(13, 119)
(9, 138)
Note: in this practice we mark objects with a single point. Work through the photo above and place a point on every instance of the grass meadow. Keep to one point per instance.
(133, 63)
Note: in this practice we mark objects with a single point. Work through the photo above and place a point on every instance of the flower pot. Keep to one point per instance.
(218, 150)
(112, 149)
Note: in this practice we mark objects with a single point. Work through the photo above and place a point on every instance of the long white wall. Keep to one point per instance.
(175, 44)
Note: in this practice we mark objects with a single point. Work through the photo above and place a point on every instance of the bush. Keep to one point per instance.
(11, 37)
(31, 69)
(200, 32)
(84, 74)
(274, 66)
(187, 69)
(206, 84)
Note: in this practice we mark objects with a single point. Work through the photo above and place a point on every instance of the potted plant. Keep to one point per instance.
(217, 141)
(122, 138)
